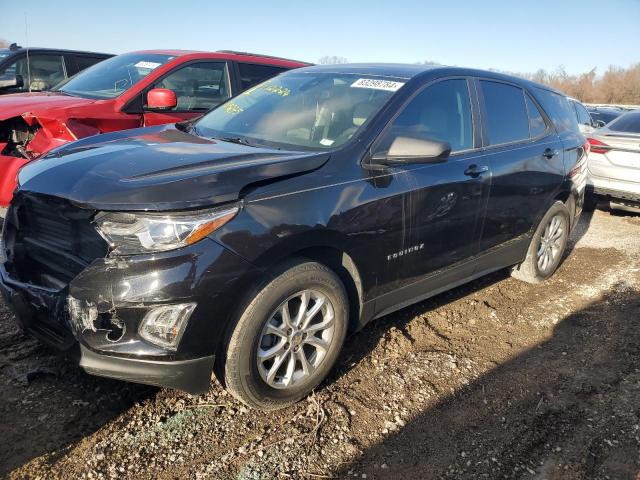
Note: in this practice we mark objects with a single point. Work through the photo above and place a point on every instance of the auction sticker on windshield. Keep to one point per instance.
(149, 65)
(376, 84)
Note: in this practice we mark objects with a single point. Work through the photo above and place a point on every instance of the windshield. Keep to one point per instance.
(308, 110)
(114, 76)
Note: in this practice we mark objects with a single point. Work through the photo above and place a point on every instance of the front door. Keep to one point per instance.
(198, 87)
(445, 201)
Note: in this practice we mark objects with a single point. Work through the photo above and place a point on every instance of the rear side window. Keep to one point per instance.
(629, 122)
(557, 107)
(252, 74)
(440, 112)
(83, 62)
(537, 126)
(506, 113)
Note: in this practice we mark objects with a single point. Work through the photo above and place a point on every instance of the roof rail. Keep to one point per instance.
(248, 54)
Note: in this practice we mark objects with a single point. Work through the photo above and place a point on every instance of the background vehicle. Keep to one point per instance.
(586, 123)
(604, 114)
(128, 91)
(614, 163)
(46, 67)
(309, 205)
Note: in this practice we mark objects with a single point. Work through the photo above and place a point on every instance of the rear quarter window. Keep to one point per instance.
(559, 110)
(252, 74)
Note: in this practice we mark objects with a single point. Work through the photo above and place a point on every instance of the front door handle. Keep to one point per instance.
(549, 154)
(475, 170)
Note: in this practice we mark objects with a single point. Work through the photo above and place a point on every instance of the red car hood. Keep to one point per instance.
(17, 104)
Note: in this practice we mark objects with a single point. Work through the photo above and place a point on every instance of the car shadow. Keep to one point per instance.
(565, 409)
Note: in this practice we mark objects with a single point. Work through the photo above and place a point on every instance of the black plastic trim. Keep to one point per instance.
(192, 376)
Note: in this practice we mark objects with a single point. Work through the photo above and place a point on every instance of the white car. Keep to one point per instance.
(614, 163)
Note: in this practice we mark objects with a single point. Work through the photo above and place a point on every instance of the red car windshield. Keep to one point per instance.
(112, 77)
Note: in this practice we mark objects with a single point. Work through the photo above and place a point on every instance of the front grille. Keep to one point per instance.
(48, 241)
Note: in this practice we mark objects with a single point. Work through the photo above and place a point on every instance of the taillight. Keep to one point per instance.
(597, 146)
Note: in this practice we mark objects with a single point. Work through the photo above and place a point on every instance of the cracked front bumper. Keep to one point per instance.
(122, 290)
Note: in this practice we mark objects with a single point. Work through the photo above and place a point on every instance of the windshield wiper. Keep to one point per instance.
(238, 140)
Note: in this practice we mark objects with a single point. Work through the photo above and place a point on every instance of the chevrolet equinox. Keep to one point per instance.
(249, 242)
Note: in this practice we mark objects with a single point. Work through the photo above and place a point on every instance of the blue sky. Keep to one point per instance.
(514, 36)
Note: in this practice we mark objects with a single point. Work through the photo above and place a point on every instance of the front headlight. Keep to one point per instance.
(131, 233)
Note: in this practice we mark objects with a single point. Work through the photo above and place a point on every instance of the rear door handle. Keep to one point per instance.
(475, 170)
(549, 154)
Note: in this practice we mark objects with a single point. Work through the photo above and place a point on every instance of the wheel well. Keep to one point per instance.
(567, 198)
(344, 266)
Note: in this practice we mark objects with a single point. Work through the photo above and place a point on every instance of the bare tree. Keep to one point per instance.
(3, 43)
(331, 60)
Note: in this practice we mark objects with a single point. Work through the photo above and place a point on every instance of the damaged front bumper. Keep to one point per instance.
(118, 293)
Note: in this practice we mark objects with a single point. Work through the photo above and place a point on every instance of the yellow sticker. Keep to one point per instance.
(233, 108)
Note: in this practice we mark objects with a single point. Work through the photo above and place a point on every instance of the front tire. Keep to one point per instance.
(547, 246)
(288, 337)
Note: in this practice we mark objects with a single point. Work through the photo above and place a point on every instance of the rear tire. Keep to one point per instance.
(547, 246)
(279, 352)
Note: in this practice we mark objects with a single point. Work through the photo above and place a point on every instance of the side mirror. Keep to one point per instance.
(410, 150)
(599, 123)
(12, 81)
(161, 99)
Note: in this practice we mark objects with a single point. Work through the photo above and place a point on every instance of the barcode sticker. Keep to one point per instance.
(149, 65)
(377, 84)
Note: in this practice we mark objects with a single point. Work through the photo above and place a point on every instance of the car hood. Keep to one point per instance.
(158, 168)
(16, 104)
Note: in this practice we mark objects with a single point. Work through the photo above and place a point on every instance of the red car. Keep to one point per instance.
(127, 91)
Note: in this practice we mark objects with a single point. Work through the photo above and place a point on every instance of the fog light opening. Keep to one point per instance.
(114, 326)
(164, 325)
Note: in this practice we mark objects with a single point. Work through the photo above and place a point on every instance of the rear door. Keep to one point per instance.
(525, 155)
(198, 86)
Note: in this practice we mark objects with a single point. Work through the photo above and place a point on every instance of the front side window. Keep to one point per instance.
(506, 114)
(439, 112)
(301, 110)
(198, 87)
(114, 76)
(44, 71)
(252, 74)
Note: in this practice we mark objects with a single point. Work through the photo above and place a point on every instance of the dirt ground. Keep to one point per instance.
(496, 379)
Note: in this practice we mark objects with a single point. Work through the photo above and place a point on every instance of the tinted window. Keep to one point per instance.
(507, 119)
(536, 122)
(252, 74)
(583, 116)
(440, 112)
(45, 71)
(557, 107)
(199, 87)
(86, 62)
(629, 122)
